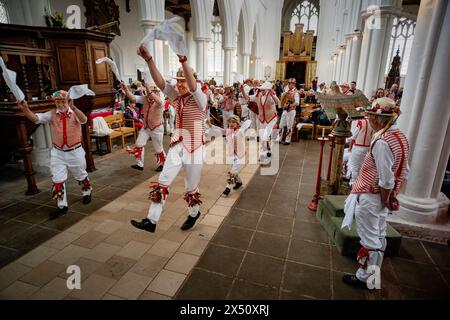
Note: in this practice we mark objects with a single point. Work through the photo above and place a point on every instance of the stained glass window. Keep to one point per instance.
(306, 13)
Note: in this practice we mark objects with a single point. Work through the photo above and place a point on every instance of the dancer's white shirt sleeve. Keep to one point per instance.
(200, 98)
(44, 118)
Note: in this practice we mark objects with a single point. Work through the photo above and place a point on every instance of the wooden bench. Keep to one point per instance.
(117, 123)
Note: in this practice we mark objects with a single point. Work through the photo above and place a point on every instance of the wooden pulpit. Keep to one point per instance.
(46, 60)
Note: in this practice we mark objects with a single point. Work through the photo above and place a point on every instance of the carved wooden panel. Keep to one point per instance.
(69, 64)
(101, 70)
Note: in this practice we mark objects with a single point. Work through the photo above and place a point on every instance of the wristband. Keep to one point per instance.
(147, 60)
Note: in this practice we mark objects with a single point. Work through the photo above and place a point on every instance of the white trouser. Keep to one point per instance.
(157, 135)
(355, 162)
(192, 163)
(371, 226)
(234, 168)
(73, 161)
(226, 116)
(265, 133)
(255, 121)
(287, 120)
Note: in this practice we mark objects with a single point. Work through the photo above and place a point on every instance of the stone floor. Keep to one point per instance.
(24, 222)
(259, 243)
(271, 247)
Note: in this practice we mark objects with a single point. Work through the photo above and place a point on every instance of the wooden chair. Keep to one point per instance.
(114, 122)
(308, 127)
(127, 130)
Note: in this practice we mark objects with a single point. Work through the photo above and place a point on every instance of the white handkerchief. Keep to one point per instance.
(166, 31)
(349, 209)
(10, 79)
(238, 77)
(112, 65)
(78, 91)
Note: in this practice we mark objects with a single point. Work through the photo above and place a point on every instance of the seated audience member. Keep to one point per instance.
(132, 113)
(322, 87)
(380, 93)
(310, 97)
(345, 89)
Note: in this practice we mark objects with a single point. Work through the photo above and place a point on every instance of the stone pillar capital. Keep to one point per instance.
(380, 11)
(149, 24)
(205, 39)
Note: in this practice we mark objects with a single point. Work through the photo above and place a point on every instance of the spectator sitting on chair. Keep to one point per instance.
(132, 113)
(310, 97)
(302, 93)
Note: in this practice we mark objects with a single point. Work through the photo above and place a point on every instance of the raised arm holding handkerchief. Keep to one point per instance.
(186, 147)
(112, 65)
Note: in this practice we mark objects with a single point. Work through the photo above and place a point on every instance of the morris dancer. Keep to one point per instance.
(374, 193)
(267, 117)
(186, 147)
(67, 153)
(292, 98)
(362, 134)
(235, 134)
(153, 126)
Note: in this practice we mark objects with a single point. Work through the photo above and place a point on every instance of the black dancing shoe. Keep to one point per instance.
(353, 281)
(238, 185)
(159, 169)
(287, 143)
(226, 191)
(135, 166)
(269, 154)
(190, 221)
(86, 199)
(144, 224)
(58, 212)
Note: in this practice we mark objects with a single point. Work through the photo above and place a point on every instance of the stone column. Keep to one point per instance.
(341, 61)
(258, 68)
(246, 65)
(202, 57)
(227, 57)
(347, 58)
(335, 67)
(42, 145)
(377, 31)
(152, 14)
(426, 115)
(355, 54)
(202, 14)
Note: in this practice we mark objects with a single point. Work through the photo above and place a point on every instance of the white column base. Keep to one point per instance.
(417, 210)
(423, 218)
(41, 149)
(41, 161)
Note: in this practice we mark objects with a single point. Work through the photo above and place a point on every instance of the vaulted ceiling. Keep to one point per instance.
(182, 8)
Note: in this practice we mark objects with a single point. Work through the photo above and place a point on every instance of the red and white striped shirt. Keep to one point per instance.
(190, 115)
(377, 169)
